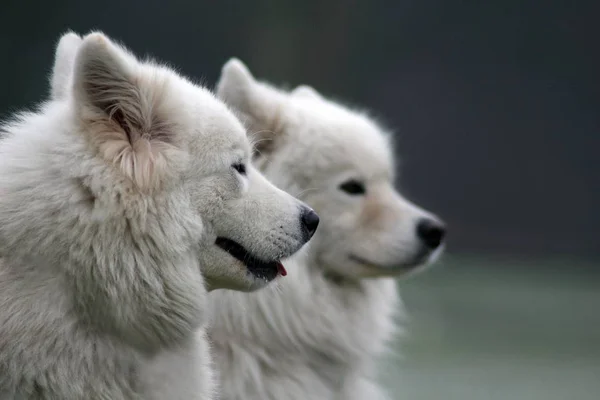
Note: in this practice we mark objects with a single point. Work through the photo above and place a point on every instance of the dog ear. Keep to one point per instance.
(258, 105)
(118, 108)
(64, 58)
(306, 92)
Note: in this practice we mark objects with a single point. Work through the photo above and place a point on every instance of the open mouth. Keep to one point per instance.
(267, 270)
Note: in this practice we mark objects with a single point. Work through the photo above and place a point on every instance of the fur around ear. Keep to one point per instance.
(306, 91)
(257, 104)
(119, 108)
(64, 58)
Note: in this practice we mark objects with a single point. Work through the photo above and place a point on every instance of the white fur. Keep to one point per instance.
(60, 80)
(108, 196)
(319, 336)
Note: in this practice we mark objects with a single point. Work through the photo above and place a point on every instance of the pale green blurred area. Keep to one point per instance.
(499, 330)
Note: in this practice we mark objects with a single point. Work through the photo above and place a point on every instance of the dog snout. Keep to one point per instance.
(431, 232)
(310, 221)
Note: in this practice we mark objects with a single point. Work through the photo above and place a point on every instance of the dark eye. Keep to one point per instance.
(240, 168)
(353, 187)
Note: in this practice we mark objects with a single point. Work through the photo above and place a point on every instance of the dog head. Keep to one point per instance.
(160, 133)
(341, 163)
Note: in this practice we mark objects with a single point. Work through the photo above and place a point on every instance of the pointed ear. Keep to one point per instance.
(64, 59)
(119, 109)
(236, 84)
(307, 92)
(104, 80)
(258, 105)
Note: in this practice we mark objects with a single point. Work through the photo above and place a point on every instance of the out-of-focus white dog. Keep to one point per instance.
(319, 336)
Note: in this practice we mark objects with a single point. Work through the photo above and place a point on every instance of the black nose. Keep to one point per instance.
(310, 220)
(431, 232)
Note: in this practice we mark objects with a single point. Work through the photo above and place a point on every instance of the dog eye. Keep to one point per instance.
(240, 168)
(353, 187)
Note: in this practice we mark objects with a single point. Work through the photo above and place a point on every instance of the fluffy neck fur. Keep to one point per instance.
(124, 271)
(307, 338)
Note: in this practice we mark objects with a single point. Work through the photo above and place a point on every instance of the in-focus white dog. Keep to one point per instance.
(108, 194)
(320, 335)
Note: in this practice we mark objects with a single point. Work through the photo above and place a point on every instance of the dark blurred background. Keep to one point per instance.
(495, 106)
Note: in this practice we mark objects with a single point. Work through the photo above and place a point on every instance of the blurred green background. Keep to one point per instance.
(494, 107)
(499, 329)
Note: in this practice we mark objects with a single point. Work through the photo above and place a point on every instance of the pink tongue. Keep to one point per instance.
(281, 269)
